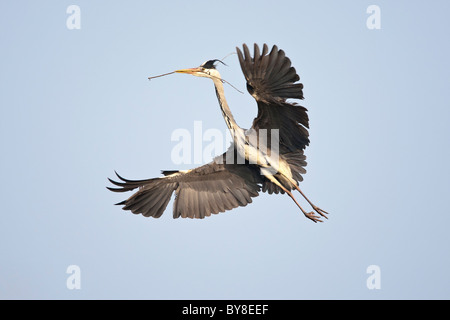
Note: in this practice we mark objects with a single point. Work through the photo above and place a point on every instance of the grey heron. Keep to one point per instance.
(245, 169)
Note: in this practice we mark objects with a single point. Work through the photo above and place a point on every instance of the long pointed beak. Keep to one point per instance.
(188, 71)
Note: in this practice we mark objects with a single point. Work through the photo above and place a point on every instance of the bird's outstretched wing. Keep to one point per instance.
(212, 188)
(271, 80)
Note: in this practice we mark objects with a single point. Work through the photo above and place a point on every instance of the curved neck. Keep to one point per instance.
(226, 112)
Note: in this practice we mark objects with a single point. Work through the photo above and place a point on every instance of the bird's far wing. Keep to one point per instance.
(211, 188)
(270, 76)
(271, 80)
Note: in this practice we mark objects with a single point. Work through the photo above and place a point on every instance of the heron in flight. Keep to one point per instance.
(268, 157)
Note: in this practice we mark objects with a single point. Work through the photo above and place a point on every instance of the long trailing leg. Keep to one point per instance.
(316, 208)
(309, 215)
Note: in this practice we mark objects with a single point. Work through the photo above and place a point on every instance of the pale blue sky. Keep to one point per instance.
(76, 105)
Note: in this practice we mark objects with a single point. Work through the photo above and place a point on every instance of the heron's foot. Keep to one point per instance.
(320, 211)
(312, 216)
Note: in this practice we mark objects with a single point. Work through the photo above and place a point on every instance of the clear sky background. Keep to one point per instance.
(76, 105)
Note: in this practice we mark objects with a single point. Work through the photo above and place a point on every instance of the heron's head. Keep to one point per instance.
(206, 69)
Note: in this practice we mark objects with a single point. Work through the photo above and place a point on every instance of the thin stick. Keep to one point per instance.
(233, 86)
(223, 80)
(161, 75)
